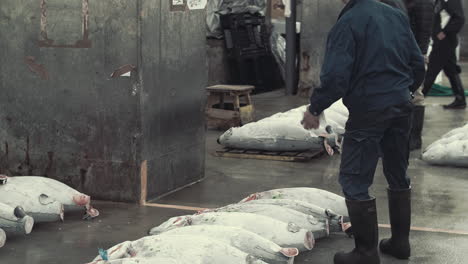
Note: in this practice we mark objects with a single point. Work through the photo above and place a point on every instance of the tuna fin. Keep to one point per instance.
(44, 199)
(293, 228)
(290, 252)
(251, 259)
(19, 212)
(290, 261)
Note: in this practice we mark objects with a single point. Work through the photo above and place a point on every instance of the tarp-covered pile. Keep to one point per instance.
(451, 149)
(267, 227)
(27, 200)
(284, 131)
(216, 8)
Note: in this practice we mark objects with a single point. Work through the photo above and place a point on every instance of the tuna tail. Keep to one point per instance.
(3, 238)
(28, 224)
(252, 260)
(309, 241)
(290, 252)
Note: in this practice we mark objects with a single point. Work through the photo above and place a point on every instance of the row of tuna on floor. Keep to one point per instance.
(267, 227)
(27, 200)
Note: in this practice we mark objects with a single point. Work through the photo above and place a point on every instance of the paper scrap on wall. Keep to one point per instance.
(196, 4)
(177, 2)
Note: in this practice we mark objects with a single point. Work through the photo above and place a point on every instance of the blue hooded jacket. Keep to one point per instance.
(372, 60)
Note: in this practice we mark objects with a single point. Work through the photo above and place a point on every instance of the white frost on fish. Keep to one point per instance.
(243, 240)
(186, 249)
(337, 223)
(314, 196)
(451, 149)
(14, 220)
(139, 261)
(35, 203)
(284, 131)
(71, 199)
(284, 234)
(319, 228)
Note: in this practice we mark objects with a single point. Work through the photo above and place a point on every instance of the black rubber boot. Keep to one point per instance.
(459, 92)
(416, 129)
(399, 204)
(363, 215)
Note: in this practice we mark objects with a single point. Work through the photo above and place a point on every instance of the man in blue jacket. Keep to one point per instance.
(373, 62)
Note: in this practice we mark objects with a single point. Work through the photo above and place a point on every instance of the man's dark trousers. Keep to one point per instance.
(370, 136)
(443, 57)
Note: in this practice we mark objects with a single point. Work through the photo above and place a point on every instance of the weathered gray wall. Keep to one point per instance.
(86, 130)
(174, 77)
(317, 17)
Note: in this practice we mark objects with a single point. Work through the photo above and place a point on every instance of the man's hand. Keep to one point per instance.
(310, 121)
(441, 36)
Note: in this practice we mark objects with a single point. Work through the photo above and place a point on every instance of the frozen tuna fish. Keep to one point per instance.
(314, 196)
(337, 223)
(243, 240)
(71, 199)
(137, 261)
(3, 238)
(450, 150)
(319, 228)
(284, 131)
(284, 234)
(186, 249)
(36, 204)
(14, 220)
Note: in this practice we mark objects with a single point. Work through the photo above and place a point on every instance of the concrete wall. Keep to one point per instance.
(174, 78)
(62, 117)
(317, 17)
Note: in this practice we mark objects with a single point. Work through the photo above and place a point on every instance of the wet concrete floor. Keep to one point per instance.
(439, 201)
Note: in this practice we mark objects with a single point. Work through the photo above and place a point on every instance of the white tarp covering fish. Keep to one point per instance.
(284, 131)
(45, 199)
(319, 228)
(451, 149)
(243, 240)
(14, 220)
(314, 196)
(284, 234)
(184, 249)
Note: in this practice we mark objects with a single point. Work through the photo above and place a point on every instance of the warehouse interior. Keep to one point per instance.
(110, 98)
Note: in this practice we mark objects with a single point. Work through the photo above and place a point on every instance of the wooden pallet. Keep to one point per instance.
(268, 155)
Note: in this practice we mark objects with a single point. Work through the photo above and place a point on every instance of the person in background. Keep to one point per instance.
(421, 16)
(395, 3)
(373, 62)
(443, 55)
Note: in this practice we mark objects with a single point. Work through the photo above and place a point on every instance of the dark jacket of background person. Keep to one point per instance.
(421, 15)
(457, 18)
(395, 3)
(372, 60)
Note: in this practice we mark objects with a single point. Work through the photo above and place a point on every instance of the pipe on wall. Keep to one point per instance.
(291, 50)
